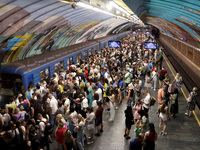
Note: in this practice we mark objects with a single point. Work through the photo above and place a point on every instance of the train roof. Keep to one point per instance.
(27, 64)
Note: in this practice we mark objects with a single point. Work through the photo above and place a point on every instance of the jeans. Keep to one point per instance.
(52, 119)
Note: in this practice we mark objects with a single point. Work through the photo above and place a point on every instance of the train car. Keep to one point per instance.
(18, 75)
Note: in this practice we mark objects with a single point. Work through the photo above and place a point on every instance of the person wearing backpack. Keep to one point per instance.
(161, 76)
(191, 102)
(43, 129)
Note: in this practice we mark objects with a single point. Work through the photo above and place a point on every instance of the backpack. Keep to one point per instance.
(144, 70)
(48, 128)
(153, 100)
(161, 77)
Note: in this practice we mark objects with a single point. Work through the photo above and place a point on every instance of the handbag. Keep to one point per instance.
(90, 126)
(132, 122)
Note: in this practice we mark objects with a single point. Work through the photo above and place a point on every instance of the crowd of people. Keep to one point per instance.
(70, 105)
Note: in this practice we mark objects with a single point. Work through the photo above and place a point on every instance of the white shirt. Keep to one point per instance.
(54, 105)
(84, 103)
(99, 92)
(105, 75)
(109, 80)
(42, 126)
(154, 75)
(94, 105)
(67, 104)
(147, 100)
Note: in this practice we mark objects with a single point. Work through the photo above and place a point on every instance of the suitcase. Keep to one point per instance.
(171, 88)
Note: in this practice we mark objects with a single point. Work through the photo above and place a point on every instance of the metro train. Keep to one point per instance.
(29, 71)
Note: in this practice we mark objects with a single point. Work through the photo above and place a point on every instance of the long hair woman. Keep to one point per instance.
(79, 128)
(112, 105)
(150, 138)
(192, 98)
(164, 116)
(69, 142)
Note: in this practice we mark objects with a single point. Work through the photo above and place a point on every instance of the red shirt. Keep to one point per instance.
(86, 74)
(59, 134)
(164, 72)
(99, 113)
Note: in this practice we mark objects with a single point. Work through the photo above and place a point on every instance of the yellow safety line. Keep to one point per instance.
(182, 91)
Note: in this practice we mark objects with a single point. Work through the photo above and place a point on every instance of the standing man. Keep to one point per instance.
(137, 142)
(53, 106)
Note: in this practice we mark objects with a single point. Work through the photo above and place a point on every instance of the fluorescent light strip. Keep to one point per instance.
(134, 17)
(118, 7)
(81, 4)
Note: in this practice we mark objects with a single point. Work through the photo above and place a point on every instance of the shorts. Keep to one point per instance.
(107, 99)
(128, 124)
(98, 122)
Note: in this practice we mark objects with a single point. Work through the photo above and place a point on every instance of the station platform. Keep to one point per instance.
(183, 131)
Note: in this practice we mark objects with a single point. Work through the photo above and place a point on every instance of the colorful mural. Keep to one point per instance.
(34, 27)
(177, 18)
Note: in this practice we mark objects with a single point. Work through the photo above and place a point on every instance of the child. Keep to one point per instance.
(137, 126)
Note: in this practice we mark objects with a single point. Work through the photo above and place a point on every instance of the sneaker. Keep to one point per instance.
(154, 89)
(89, 142)
(165, 133)
(186, 114)
(97, 134)
(128, 137)
(101, 130)
(161, 133)
(117, 108)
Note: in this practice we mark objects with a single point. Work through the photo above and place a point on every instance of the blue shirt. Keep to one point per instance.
(100, 86)
(114, 84)
(121, 83)
(135, 144)
(150, 65)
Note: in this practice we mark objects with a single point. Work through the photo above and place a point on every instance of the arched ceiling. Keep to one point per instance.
(177, 18)
(31, 27)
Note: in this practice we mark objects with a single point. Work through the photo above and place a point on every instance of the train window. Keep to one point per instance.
(85, 54)
(30, 81)
(41, 76)
(90, 51)
(78, 57)
(70, 61)
(62, 65)
(57, 67)
(46, 71)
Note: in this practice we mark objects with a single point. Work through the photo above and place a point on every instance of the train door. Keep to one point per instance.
(59, 67)
(85, 55)
(78, 57)
(91, 52)
(95, 50)
(69, 61)
(44, 74)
